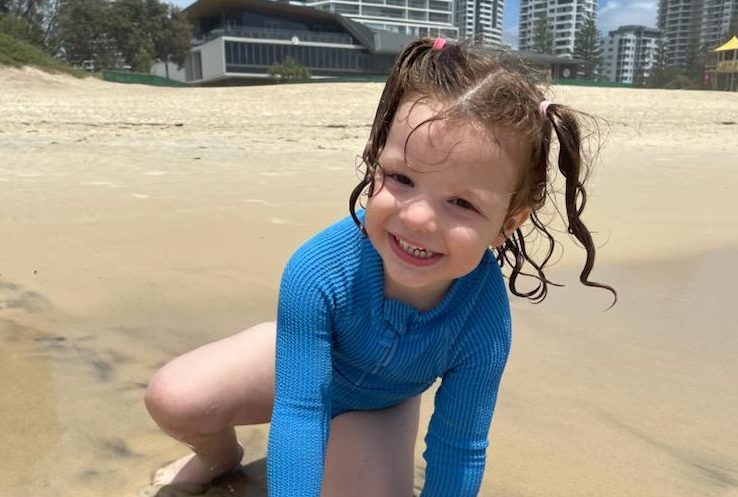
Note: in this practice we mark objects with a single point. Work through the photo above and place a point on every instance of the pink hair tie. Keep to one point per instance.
(439, 43)
(543, 108)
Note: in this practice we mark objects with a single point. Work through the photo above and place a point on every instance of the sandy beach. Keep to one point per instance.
(137, 223)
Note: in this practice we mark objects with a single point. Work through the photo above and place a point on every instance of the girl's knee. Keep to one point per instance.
(178, 407)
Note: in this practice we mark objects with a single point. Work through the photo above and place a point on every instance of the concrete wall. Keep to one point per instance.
(175, 73)
(213, 59)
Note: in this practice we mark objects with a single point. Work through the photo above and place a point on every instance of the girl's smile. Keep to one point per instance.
(413, 254)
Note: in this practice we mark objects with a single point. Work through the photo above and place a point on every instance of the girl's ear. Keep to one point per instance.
(511, 224)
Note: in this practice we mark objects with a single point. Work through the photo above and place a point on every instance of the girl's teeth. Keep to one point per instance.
(421, 253)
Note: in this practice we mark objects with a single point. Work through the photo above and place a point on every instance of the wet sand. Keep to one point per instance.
(138, 223)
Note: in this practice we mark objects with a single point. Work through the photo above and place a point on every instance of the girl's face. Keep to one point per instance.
(439, 203)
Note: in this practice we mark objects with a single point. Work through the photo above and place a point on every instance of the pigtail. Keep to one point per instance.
(514, 253)
(566, 127)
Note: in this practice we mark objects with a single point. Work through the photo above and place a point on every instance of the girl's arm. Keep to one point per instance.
(301, 415)
(457, 436)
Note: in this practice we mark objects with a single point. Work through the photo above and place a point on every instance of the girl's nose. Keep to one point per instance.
(419, 215)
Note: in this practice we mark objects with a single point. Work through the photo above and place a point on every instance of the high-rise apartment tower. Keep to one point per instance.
(700, 23)
(628, 54)
(564, 18)
(481, 20)
(716, 15)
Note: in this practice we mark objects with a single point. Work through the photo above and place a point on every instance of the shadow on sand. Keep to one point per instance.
(248, 481)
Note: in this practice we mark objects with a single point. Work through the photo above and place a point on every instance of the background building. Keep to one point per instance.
(565, 18)
(408, 17)
(716, 16)
(628, 53)
(237, 41)
(480, 19)
(702, 23)
(679, 22)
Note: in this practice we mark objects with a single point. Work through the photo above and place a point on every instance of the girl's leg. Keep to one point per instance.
(200, 396)
(371, 453)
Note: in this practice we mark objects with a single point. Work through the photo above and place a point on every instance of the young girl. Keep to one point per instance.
(378, 306)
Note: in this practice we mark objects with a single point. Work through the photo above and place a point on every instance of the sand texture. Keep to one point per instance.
(137, 223)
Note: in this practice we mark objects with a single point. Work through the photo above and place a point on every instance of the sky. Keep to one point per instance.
(610, 15)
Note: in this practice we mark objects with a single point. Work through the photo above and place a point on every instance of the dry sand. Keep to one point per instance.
(137, 223)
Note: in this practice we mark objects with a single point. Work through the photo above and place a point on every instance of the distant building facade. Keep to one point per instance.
(237, 41)
(716, 15)
(564, 17)
(629, 53)
(701, 23)
(414, 18)
(481, 20)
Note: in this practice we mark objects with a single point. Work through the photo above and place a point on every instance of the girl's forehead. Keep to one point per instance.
(421, 137)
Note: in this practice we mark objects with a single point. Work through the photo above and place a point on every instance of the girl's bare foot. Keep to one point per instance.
(191, 471)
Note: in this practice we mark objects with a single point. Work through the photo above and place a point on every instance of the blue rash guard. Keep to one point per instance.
(342, 346)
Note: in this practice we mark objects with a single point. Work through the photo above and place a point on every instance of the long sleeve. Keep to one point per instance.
(301, 415)
(457, 436)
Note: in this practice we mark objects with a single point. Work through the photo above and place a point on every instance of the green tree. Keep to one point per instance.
(83, 33)
(695, 67)
(17, 28)
(145, 30)
(588, 47)
(542, 36)
(39, 17)
(639, 72)
(660, 73)
(289, 69)
(172, 40)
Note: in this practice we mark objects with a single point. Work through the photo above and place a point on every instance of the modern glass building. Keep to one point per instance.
(237, 41)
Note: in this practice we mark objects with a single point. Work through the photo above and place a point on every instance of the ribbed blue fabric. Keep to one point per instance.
(342, 346)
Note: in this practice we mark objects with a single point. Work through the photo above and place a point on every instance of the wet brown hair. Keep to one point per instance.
(476, 85)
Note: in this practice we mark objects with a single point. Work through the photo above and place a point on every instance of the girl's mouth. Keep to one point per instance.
(412, 254)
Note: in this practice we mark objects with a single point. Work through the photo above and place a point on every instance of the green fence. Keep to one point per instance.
(140, 79)
(587, 82)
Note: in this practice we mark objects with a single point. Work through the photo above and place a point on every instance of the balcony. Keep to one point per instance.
(275, 34)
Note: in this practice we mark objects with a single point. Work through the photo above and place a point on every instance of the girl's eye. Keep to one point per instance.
(400, 178)
(464, 204)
